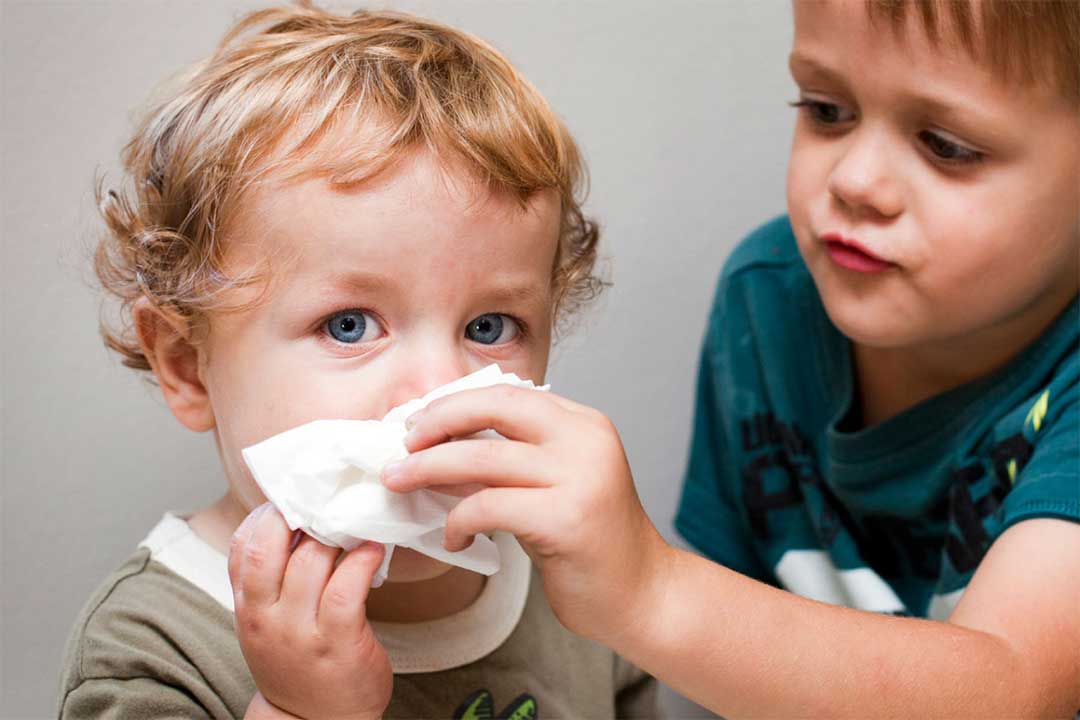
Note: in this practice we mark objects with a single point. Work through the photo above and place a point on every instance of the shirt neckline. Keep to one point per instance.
(929, 426)
(442, 644)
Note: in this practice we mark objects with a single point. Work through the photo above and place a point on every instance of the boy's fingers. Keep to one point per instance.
(262, 559)
(306, 573)
(512, 510)
(341, 607)
(515, 413)
(464, 462)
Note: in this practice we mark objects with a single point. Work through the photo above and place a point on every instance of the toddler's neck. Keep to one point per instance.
(400, 602)
(425, 600)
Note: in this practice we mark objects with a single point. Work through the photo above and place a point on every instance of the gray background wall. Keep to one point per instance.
(678, 105)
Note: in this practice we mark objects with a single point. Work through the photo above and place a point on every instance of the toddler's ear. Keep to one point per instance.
(175, 361)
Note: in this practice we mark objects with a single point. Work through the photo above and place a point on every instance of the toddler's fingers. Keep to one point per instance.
(341, 609)
(239, 540)
(306, 574)
(483, 461)
(513, 510)
(513, 412)
(262, 558)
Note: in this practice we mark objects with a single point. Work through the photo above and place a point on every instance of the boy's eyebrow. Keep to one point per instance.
(926, 102)
(986, 120)
(798, 60)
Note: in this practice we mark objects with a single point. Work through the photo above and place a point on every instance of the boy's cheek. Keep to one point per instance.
(801, 181)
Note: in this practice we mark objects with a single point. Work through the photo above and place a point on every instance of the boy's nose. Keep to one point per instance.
(865, 180)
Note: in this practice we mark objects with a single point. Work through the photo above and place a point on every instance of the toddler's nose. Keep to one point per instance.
(421, 375)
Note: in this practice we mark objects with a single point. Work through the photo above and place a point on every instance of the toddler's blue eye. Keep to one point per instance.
(492, 329)
(352, 326)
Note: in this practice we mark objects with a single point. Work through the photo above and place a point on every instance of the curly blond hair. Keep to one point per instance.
(281, 80)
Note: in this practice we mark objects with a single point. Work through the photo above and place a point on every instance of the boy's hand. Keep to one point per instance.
(301, 624)
(560, 482)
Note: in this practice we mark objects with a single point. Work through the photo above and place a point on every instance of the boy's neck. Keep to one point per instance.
(892, 380)
(407, 602)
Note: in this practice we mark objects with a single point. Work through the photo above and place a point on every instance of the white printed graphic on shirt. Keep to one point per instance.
(811, 573)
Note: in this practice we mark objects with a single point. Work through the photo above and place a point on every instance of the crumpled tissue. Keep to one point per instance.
(324, 478)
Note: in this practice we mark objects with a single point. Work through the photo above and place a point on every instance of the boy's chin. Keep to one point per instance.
(410, 566)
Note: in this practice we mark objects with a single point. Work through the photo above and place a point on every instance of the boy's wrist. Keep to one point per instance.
(653, 569)
(660, 615)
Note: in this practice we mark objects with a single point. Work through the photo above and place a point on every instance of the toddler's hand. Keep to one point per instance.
(301, 624)
(560, 482)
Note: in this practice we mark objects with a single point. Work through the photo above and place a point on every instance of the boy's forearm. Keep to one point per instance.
(743, 648)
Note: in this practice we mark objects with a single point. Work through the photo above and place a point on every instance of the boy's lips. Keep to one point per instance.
(849, 254)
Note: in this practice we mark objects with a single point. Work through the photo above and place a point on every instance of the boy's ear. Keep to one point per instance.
(175, 361)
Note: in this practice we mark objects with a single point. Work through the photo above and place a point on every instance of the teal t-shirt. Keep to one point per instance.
(893, 518)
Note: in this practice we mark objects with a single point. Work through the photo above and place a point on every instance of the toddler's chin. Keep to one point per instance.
(410, 566)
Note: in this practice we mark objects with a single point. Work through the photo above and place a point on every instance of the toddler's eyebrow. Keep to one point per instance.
(526, 294)
(508, 292)
(504, 293)
(321, 289)
(353, 281)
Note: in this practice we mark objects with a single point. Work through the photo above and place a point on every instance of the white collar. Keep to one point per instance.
(442, 644)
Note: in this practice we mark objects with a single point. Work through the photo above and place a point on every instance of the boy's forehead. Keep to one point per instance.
(851, 22)
(842, 37)
(939, 36)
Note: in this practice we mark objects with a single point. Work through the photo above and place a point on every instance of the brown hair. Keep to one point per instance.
(280, 80)
(1029, 40)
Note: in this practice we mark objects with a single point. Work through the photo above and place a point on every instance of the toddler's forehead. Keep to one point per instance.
(416, 208)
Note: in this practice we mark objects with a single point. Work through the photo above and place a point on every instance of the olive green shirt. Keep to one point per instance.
(151, 643)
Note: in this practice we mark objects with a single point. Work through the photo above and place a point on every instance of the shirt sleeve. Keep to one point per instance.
(708, 515)
(636, 692)
(134, 698)
(1048, 485)
(149, 644)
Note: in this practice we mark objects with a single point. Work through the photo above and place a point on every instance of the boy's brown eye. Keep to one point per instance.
(947, 149)
(824, 113)
(492, 329)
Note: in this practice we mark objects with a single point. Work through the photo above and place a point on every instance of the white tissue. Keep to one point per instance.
(324, 478)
